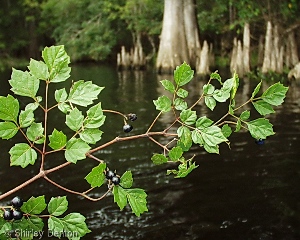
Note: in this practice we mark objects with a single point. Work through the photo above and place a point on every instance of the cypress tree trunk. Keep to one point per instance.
(246, 48)
(204, 60)
(268, 51)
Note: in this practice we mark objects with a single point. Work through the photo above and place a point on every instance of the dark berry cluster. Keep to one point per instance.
(127, 127)
(112, 176)
(132, 117)
(260, 141)
(14, 212)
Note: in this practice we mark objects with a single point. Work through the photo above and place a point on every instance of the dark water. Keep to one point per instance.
(246, 192)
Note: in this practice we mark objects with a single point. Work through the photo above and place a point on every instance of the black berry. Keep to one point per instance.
(17, 215)
(132, 116)
(8, 214)
(109, 175)
(115, 180)
(127, 128)
(260, 141)
(17, 202)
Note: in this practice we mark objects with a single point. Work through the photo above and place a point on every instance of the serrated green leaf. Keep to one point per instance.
(91, 135)
(57, 62)
(238, 125)
(61, 95)
(34, 205)
(213, 136)
(226, 130)
(95, 117)
(158, 159)
(185, 140)
(180, 104)
(168, 85)
(262, 107)
(211, 149)
(5, 227)
(183, 169)
(163, 103)
(256, 90)
(96, 177)
(208, 89)
(83, 93)
(275, 94)
(35, 133)
(26, 118)
(8, 130)
(57, 139)
(137, 200)
(182, 93)
(175, 153)
(126, 180)
(23, 83)
(76, 150)
(38, 69)
(196, 137)
(120, 197)
(203, 122)
(260, 128)
(9, 108)
(32, 106)
(74, 120)
(188, 116)
(245, 115)
(55, 226)
(21, 154)
(64, 107)
(57, 205)
(210, 102)
(183, 74)
(235, 85)
(221, 95)
(35, 224)
(216, 76)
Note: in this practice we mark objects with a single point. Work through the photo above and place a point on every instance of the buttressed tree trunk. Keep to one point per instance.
(246, 48)
(268, 49)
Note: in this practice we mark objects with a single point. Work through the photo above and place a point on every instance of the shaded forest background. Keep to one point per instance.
(129, 32)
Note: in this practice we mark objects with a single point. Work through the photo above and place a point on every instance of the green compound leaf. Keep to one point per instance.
(26, 118)
(183, 74)
(183, 169)
(188, 116)
(8, 130)
(260, 128)
(96, 177)
(95, 117)
(163, 103)
(126, 180)
(175, 153)
(180, 104)
(91, 135)
(210, 102)
(57, 205)
(60, 95)
(256, 90)
(168, 85)
(9, 108)
(38, 69)
(35, 133)
(245, 115)
(120, 197)
(137, 200)
(57, 62)
(213, 136)
(57, 139)
(84, 93)
(74, 120)
(182, 93)
(34, 205)
(23, 83)
(203, 122)
(76, 150)
(262, 107)
(22, 155)
(275, 94)
(158, 159)
(226, 130)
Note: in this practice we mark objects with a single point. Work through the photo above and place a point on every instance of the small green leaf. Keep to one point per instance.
(57, 139)
(260, 128)
(213, 135)
(57, 205)
(163, 103)
(210, 102)
(95, 117)
(35, 133)
(208, 89)
(126, 180)
(216, 76)
(226, 130)
(57, 62)
(263, 108)
(175, 153)
(34, 205)
(35, 224)
(182, 93)
(64, 107)
(74, 226)
(188, 116)
(235, 85)
(74, 119)
(256, 90)
(120, 197)
(211, 149)
(245, 115)
(220, 95)
(32, 106)
(61, 95)
(275, 94)
(55, 226)
(196, 137)
(183, 74)
(238, 125)
(137, 200)
(76, 150)
(180, 104)
(38, 69)
(21, 154)
(8, 130)
(159, 159)
(168, 85)
(183, 169)
(185, 140)
(9, 108)
(91, 135)
(26, 118)
(203, 122)
(96, 177)
(83, 93)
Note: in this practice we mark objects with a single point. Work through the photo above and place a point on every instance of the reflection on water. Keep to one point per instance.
(246, 192)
